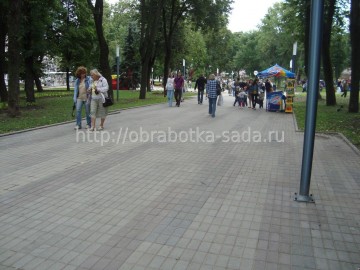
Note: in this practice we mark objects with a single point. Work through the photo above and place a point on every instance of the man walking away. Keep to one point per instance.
(200, 85)
(179, 85)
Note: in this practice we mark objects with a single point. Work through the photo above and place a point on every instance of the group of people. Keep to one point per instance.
(246, 93)
(90, 92)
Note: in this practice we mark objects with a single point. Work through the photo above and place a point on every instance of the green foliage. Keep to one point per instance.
(329, 118)
(117, 20)
(74, 36)
(247, 56)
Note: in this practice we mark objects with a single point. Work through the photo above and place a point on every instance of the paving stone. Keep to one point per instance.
(69, 202)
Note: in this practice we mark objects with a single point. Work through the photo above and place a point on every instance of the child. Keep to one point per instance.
(242, 98)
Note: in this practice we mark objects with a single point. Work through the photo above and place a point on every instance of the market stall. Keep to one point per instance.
(278, 100)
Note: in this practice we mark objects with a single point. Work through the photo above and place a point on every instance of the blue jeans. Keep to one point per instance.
(170, 95)
(212, 106)
(79, 105)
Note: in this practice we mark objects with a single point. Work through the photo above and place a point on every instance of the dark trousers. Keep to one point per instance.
(200, 96)
(177, 94)
(254, 99)
(237, 100)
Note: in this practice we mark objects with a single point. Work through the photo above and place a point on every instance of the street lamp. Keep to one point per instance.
(184, 67)
(294, 57)
(117, 70)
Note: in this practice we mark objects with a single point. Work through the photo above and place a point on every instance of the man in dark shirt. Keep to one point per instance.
(200, 85)
(179, 85)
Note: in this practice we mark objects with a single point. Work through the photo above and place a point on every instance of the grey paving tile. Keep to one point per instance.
(135, 213)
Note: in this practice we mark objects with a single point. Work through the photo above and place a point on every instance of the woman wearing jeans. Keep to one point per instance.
(170, 89)
(211, 93)
(81, 96)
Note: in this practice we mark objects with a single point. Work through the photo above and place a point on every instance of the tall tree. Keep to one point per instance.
(97, 11)
(130, 64)
(355, 55)
(150, 12)
(205, 15)
(329, 11)
(73, 37)
(14, 56)
(3, 34)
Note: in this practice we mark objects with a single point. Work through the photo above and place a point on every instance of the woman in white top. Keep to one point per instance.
(99, 88)
(170, 89)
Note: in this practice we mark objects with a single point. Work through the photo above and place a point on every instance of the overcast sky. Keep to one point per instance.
(246, 14)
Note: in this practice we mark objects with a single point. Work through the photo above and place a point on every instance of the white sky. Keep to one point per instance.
(246, 14)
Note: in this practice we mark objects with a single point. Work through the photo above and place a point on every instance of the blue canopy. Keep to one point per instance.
(276, 71)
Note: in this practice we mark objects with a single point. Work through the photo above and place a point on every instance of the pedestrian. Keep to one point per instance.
(249, 93)
(179, 85)
(81, 97)
(345, 88)
(200, 85)
(304, 86)
(211, 93)
(99, 90)
(254, 92)
(268, 86)
(170, 89)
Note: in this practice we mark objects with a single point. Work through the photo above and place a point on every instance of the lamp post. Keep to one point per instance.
(117, 70)
(184, 68)
(293, 67)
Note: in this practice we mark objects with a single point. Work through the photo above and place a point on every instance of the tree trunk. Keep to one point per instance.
(29, 80)
(14, 57)
(355, 56)
(144, 79)
(3, 33)
(150, 14)
(326, 57)
(38, 83)
(104, 48)
(67, 79)
(307, 35)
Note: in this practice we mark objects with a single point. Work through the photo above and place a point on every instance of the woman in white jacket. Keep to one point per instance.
(170, 89)
(99, 88)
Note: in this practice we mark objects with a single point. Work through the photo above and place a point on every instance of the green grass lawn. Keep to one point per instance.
(55, 106)
(330, 118)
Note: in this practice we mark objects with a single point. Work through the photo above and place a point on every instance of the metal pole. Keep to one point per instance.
(117, 71)
(294, 57)
(317, 9)
(184, 67)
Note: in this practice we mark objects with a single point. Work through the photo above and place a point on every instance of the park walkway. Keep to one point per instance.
(180, 191)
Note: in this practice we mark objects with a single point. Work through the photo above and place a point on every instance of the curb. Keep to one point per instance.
(338, 134)
(68, 122)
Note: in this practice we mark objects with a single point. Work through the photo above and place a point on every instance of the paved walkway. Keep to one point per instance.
(221, 200)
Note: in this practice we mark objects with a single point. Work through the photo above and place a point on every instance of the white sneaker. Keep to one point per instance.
(77, 127)
(100, 128)
(87, 127)
(91, 129)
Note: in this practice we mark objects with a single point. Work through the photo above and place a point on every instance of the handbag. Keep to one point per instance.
(220, 100)
(108, 102)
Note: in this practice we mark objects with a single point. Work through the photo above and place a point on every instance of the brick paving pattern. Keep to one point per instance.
(227, 204)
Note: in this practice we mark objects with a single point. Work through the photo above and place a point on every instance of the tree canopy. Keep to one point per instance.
(158, 35)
